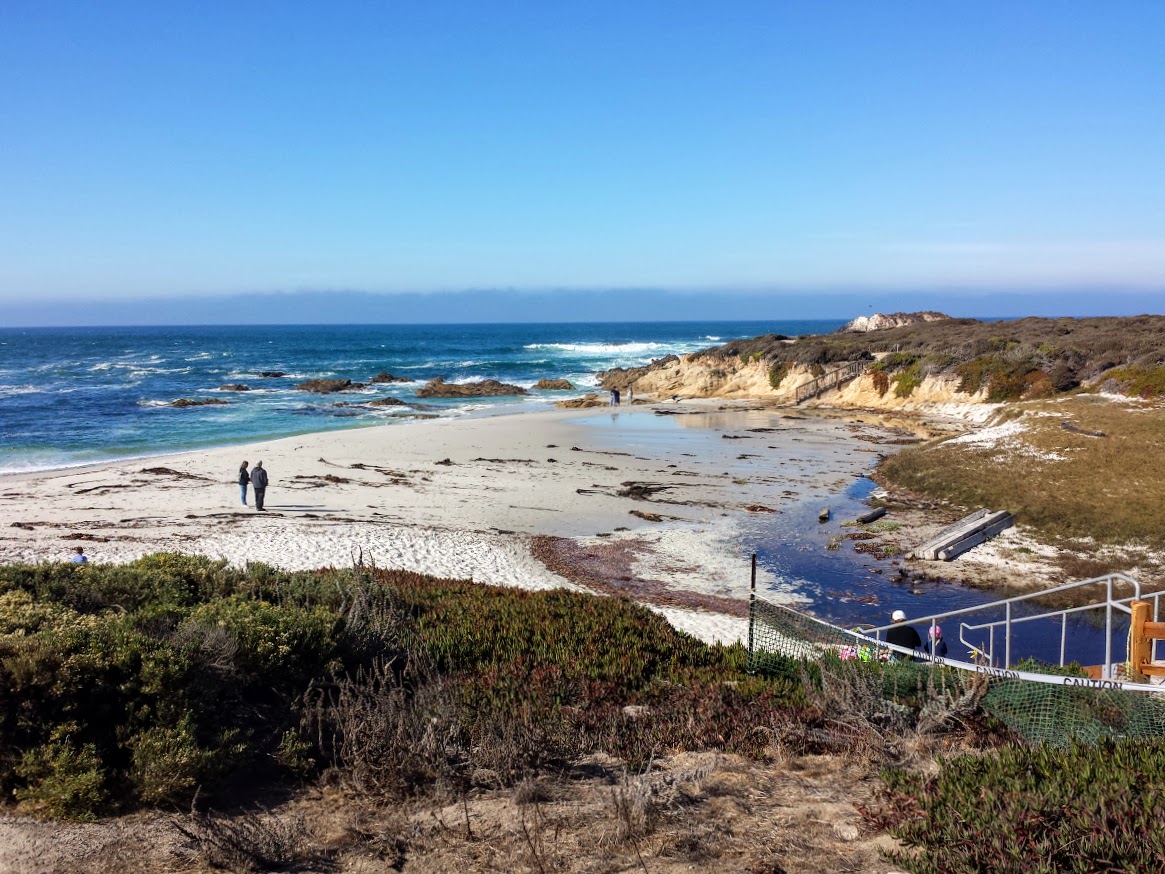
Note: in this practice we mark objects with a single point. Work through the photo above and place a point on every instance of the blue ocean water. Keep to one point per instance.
(80, 395)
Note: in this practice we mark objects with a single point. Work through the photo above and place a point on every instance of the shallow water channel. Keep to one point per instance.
(842, 585)
(850, 588)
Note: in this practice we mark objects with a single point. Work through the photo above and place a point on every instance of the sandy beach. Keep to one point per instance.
(646, 501)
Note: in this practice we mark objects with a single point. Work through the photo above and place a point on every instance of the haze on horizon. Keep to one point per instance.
(169, 160)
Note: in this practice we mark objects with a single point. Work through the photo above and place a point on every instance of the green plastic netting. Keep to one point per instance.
(1055, 708)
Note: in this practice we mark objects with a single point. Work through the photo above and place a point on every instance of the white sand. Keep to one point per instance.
(511, 477)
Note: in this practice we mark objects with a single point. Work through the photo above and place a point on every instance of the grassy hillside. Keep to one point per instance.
(1078, 467)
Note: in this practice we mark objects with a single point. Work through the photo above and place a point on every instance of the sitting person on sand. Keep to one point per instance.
(79, 557)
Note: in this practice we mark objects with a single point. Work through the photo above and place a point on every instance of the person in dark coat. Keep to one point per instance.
(244, 478)
(900, 634)
(935, 645)
(259, 484)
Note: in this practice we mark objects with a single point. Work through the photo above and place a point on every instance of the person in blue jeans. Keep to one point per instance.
(244, 478)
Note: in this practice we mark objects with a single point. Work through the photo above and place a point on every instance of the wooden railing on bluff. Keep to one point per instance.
(827, 381)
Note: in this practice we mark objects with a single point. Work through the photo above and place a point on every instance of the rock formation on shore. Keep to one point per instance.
(554, 385)
(438, 388)
(384, 377)
(883, 321)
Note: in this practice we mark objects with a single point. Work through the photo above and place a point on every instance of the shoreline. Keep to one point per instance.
(467, 497)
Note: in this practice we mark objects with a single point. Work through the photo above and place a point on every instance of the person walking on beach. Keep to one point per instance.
(630, 394)
(259, 483)
(614, 397)
(902, 635)
(79, 557)
(244, 478)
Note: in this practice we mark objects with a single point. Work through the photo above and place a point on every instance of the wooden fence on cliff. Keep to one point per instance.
(825, 382)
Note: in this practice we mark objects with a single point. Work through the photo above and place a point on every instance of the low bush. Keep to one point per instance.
(1144, 382)
(1042, 809)
(198, 679)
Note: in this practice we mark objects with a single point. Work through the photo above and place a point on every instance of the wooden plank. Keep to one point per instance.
(1152, 670)
(956, 533)
(872, 516)
(1155, 630)
(992, 528)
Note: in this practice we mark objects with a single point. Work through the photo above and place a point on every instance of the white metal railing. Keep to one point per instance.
(986, 649)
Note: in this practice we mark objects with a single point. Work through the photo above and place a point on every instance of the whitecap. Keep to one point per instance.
(601, 349)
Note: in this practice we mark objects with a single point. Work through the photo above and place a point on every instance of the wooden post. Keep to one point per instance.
(751, 612)
(1139, 645)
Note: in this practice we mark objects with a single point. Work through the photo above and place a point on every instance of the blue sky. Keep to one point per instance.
(163, 152)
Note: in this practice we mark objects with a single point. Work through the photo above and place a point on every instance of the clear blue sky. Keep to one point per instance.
(184, 149)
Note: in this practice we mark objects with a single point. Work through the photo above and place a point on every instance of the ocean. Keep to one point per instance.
(71, 396)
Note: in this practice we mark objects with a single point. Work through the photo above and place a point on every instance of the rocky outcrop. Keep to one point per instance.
(387, 402)
(883, 322)
(587, 400)
(272, 374)
(234, 386)
(554, 385)
(197, 402)
(384, 377)
(328, 386)
(438, 388)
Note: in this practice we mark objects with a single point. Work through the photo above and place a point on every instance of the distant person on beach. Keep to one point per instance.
(935, 645)
(614, 397)
(901, 634)
(79, 557)
(244, 478)
(259, 484)
(630, 394)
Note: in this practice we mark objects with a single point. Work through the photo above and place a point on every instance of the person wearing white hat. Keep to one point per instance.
(901, 634)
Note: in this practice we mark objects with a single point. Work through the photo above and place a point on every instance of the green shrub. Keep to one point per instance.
(907, 381)
(168, 764)
(778, 370)
(1076, 809)
(62, 778)
(1139, 381)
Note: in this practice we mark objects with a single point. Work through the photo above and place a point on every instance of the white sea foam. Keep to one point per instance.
(602, 350)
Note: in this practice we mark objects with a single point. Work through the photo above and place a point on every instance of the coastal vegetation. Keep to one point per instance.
(1078, 466)
(1010, 360)
(177, 680)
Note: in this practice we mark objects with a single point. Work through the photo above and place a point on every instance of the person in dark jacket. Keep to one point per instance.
(900, 634)
(935, 645)
(244, 478)
(259, 484)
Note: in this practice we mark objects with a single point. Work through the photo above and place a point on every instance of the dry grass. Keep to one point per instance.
(1063, 483)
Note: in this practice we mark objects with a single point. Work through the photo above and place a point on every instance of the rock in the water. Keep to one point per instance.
(272, 374)
(438, 388)
(387, 402)
(234, 386)
(327, 386)
(882, 322)
(588, 400)
(554, 385)
(383, 376)
(198, 402)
